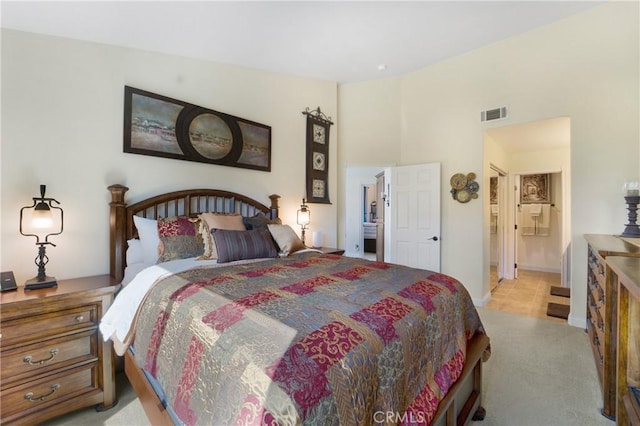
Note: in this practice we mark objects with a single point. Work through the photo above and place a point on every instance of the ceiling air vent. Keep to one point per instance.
(494, 114)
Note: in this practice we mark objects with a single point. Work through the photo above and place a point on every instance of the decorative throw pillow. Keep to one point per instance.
(211, 221)
(286, 239)
(259, 221)
(239, 245)
(179, 238)
(148, 234)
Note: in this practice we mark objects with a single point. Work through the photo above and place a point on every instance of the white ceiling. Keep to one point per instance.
(339, 41)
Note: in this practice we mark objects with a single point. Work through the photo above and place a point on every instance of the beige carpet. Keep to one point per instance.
(540, 373)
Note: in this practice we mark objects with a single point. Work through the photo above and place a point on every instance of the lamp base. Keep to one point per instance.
(36, 283)
(631, 231)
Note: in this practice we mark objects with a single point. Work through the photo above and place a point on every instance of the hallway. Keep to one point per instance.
(528, 295)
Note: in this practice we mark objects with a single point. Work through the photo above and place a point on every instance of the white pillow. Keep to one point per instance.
(134, 252)
(148, 233)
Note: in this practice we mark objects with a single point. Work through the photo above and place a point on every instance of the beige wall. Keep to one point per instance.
(62, 125)
(62, 120)
(585, 67)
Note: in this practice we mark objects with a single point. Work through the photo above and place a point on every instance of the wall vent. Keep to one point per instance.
(494, 114)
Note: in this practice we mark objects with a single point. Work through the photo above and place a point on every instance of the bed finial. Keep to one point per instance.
(117, 193)
(274, 207)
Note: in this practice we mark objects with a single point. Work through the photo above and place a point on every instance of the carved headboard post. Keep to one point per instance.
(274, 207)
(117, 231)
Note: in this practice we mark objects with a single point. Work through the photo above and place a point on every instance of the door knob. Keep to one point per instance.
(434, 238)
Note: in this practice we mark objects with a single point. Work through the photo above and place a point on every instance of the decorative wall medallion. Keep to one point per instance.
(318, 161)
(464, 188)
(318, 134)
(319, 190)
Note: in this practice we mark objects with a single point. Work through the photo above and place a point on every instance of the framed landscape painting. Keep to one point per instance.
(164, 127)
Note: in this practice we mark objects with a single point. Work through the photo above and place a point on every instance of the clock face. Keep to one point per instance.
(318, 133)
(318, 188)
(318, 161)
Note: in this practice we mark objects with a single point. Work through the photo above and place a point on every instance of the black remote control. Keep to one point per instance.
(7, 281)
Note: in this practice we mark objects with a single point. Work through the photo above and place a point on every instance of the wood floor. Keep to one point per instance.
(528, 295)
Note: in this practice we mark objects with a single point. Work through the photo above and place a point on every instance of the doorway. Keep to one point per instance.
(497, 244)
(538, 236)
(413, 237)
(357, 179)
(369, 220)
(541, 147)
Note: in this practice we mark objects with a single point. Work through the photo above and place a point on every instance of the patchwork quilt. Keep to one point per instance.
(309, 339)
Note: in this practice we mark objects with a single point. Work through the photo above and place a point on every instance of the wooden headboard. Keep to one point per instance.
(189, 202)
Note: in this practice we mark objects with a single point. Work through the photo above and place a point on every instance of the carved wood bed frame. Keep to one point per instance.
(460, 405)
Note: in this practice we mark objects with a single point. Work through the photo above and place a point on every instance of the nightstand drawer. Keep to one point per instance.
(48, 391)
(38, 358)
(47, 325)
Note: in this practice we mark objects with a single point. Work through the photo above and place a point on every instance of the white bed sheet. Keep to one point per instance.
(117, 321)
(130, 272)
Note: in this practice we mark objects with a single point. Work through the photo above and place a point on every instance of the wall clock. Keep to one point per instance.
(317, 161)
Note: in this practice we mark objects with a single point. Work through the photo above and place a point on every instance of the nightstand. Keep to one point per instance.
(53, 359)
(329, 250)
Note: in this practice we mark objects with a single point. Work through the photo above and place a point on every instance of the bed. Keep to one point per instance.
(306, 338)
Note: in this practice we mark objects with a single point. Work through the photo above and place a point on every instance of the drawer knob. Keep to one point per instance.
(79, 318)
(29, 396)
(29, 359)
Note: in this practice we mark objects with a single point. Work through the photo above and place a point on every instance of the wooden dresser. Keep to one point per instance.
(602, 311)
(625, 275)
(53, 359)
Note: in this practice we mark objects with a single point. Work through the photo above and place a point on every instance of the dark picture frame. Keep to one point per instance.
(493, 190)
(317, 161)
(160, 126)
(535, 189)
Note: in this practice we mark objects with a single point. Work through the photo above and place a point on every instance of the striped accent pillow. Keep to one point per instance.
(238, 245)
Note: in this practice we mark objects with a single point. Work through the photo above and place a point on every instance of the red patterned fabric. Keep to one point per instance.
(306, 340)
(178, 239)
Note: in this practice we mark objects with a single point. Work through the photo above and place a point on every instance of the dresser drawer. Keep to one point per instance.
(50, 390)
(37, 327)
(28, 361)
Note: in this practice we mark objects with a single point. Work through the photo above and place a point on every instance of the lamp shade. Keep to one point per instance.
(631, 188)
(304, 215)
(42, 217)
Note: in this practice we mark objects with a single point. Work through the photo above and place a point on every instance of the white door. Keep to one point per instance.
(413, 216)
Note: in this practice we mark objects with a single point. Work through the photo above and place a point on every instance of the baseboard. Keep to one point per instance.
(538, 269)
(481, 302)
(580, 322)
